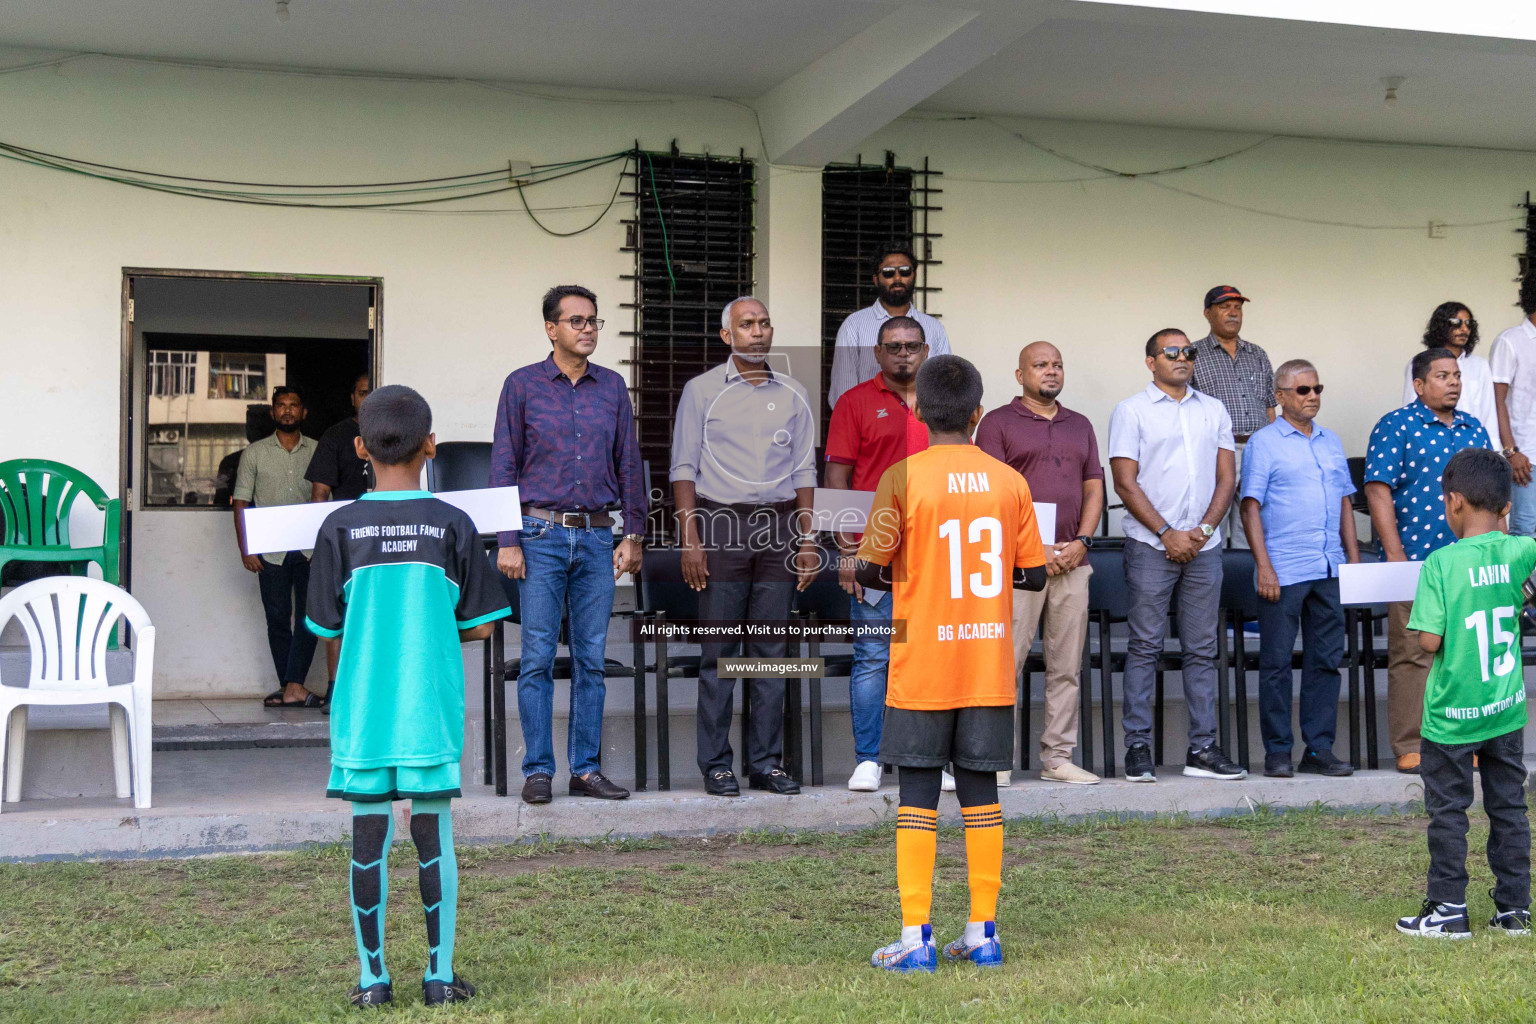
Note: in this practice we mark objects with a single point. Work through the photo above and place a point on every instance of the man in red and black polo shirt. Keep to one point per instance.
(872, 429)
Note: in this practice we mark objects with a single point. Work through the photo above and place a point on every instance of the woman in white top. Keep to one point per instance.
(1451, 326)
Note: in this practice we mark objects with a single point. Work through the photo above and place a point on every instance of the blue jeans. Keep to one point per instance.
(866, 683)
(573, 568)
(1314, 607)
(1522, 512)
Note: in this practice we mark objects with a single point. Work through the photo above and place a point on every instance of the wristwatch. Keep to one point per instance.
(1085, 540)
(1164, 529)
(1507, 452)
(1207, 530)
(638, 538)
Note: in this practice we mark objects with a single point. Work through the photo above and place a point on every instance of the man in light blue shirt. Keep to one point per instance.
(894, 272)
(1296, 512)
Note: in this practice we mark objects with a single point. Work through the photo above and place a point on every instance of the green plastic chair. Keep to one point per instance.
(36, 497)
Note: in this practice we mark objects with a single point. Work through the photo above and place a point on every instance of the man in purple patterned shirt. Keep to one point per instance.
(565, 436)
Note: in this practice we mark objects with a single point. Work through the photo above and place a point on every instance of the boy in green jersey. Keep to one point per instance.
(1467, 612)
(405, 577)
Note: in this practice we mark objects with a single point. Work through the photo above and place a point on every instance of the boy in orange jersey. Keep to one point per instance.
(951, 531)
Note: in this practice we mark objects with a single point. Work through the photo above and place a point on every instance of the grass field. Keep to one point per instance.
(1261, 918)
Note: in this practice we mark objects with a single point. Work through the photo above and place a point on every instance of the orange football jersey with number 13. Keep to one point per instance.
(952, 522)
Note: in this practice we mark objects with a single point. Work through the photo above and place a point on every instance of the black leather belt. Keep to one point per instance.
(570, 520)
(746, 508)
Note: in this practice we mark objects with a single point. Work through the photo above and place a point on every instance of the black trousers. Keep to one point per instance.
(284, 591)
(1447, 774)
(751, 579)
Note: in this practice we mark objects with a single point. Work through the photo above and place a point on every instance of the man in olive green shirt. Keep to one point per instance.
(272, 473)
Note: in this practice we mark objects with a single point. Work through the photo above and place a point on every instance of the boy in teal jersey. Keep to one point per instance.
(1467, 612)
(406, 578)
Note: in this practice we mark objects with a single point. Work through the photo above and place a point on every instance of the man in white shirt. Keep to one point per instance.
(1171, 454)
(1514, 389)
(1451, 326)
(894, 270)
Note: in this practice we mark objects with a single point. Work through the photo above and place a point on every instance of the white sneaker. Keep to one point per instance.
(1004, 779)
(1070, 774)
(947, 783)
(866, 777)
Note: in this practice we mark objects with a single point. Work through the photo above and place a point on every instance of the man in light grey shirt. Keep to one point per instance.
(1170, 450)
(743, 477)
(894, 271)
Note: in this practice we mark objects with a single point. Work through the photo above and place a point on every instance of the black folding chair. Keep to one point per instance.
(823, 601)
(1239, 605)
(1108, 603)
(1364, 661)
(663, 596)
(461, 466)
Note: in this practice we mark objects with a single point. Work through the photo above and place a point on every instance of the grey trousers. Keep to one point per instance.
(1151, 580)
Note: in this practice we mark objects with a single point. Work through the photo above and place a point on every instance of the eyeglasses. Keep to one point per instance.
(890, 272)
(580, 323)
(898, 347)
(1456, 321)
(1304, 389)
(1173, 352)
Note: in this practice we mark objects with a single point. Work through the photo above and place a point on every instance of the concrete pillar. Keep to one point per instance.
(789, 266)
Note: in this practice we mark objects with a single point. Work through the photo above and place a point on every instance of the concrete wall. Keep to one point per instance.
(1094, 265)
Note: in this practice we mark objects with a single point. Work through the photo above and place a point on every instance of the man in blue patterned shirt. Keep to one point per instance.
(1408, 452)
(565, 436)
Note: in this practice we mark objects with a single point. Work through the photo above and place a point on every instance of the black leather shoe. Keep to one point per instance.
(774, 780)
(599, 785)
(536, 790)
(1322, 762)
(1278, 766)
(372, 996)
(721, 782)
(436, 993)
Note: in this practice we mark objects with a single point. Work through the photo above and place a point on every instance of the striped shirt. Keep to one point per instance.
(1245, 385)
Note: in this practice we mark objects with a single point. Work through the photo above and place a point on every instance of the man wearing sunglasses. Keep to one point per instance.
(1514, 385)
(565, 436)
(872, 429)
(1236, 373)
(1170, 452)
(894, 273)
(1406, 456)
(1296, 511)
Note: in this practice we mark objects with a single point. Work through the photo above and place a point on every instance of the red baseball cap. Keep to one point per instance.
(1221, 293)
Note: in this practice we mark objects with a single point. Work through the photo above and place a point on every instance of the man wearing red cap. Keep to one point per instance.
(1237, 374)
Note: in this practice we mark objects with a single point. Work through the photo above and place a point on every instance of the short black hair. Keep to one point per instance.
(1154, 342)
(282, 389)
(554, 295)
(394, 422)
(1422, 361)
(1480, 476)
(948, 392)
(897, 323)
(1437, 333)
(1528, 291)
(893, 248)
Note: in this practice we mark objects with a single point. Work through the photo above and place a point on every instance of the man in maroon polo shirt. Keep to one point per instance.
(1057, 453)
(873, 429)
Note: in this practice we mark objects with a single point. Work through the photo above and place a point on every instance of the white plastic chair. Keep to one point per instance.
(69, 621)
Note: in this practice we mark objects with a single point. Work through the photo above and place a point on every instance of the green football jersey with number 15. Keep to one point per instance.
(1469, 593)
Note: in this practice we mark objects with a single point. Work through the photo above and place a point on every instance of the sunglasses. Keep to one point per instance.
(890, 272)
(1173, 352)
(898, 347)
(1304, 389)
(1456, 321)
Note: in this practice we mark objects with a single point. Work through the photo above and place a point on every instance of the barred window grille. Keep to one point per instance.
(1527, 260)
(692, 239)
(863, 207)
(171, 374)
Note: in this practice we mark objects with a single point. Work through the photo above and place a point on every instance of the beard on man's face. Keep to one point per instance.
(1050, 391)
(895, 292)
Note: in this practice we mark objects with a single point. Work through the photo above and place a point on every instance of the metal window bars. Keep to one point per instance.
(863, 207)
(692, 239)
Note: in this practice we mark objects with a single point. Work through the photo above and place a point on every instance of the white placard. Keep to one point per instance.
(849, 510)
(294, 527)
(1378, 582)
